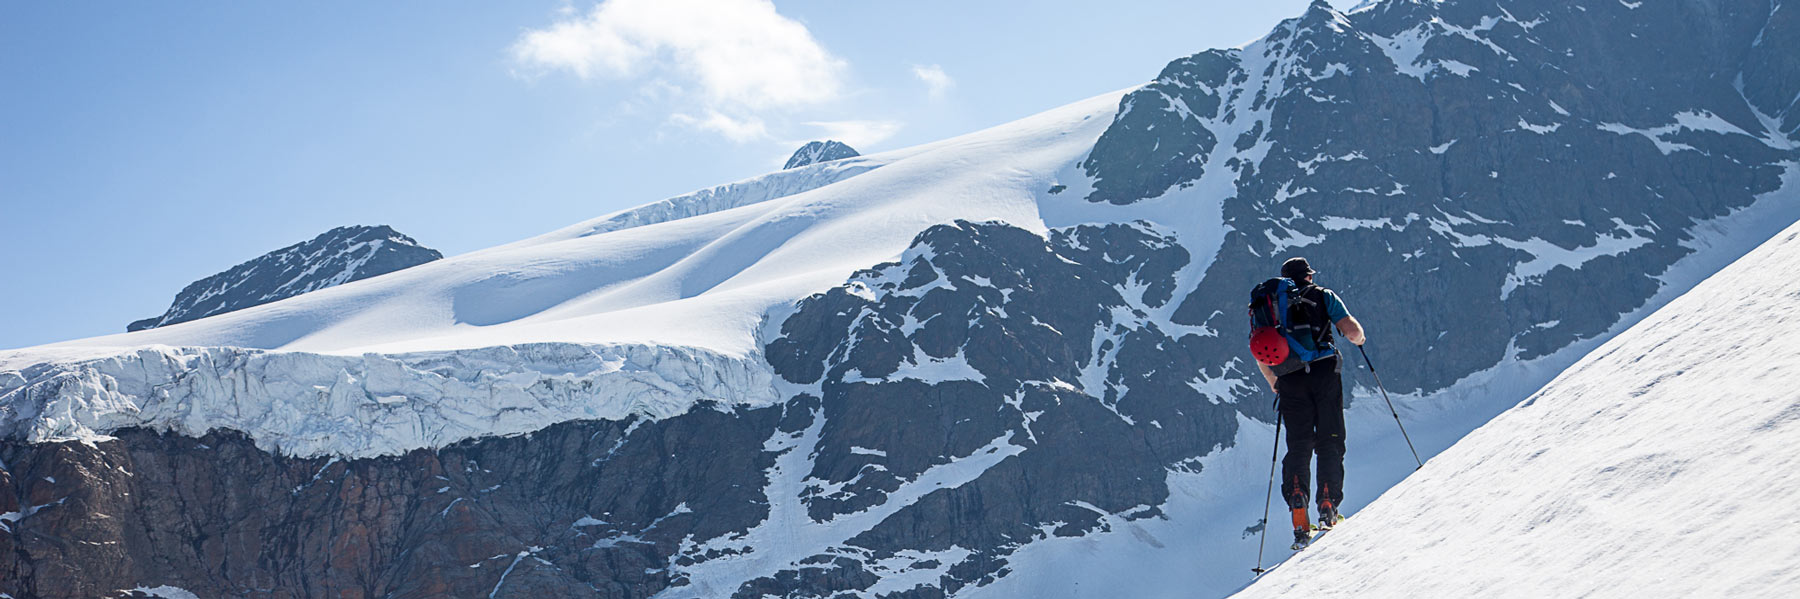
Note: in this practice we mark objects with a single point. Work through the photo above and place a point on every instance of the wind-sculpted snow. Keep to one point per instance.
(756, 190)
(304, 404)
(698, 271)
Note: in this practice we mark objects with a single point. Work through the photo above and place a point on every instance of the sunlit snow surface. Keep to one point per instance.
(700, 281)
(1663, 464)
(645, 311)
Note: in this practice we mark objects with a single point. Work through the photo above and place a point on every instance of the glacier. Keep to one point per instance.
(647, 311)
(306, 404)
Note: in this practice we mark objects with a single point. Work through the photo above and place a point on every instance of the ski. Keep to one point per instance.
(1318, 531)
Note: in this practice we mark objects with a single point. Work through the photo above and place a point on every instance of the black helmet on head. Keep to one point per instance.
(1296, 268)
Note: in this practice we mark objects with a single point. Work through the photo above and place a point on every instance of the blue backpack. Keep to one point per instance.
(1281, 313)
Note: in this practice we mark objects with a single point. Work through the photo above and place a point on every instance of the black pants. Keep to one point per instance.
(1312, 408)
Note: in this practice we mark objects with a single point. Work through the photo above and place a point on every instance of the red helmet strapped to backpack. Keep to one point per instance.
(1269, 346)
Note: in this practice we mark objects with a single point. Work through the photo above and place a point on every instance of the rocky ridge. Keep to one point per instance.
(335, 257)
(820, 151)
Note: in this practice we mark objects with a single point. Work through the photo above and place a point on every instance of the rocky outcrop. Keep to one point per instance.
(986, 338)
(820, 151)
(593, 508)
(333, 258)
(1544, 160)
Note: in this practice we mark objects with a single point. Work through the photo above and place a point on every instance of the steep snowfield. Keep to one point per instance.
(693, 271)
(1663, 464)
(645, 311)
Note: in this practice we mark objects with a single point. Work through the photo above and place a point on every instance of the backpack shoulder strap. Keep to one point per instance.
(1308, 295)
(1312, 299)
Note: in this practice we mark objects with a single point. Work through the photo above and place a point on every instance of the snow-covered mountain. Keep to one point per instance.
(820, 151)
(1659, 465)
(1004, 364)
(335, 257)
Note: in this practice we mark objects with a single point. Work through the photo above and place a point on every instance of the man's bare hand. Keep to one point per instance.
(1268, 375)
(1351, 329)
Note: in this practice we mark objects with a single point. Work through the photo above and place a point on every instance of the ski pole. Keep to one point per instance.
(1270, 494)
(1390, 404)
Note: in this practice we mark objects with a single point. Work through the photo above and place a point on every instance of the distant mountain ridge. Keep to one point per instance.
(335, 257)
(820, 151)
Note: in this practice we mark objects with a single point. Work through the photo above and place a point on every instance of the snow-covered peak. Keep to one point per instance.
(1319, 16)
(1662, 464)
(335, 257)
(647, 312)
(820, 151)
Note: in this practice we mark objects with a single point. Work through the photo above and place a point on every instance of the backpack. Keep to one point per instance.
(1281, 313)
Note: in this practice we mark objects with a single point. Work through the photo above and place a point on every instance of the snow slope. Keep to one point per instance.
(702, 281)
(591, 314)
(1662, 464)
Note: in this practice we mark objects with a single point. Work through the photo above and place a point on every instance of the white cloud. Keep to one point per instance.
(937, 82)
(736, 52)
(739, 130)
(859, 134)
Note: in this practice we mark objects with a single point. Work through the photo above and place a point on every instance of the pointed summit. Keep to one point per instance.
(1319, 17)
(335, 257)
(820, 151)
(1321, 12)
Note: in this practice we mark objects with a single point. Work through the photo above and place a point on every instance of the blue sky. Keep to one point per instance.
(146, 145)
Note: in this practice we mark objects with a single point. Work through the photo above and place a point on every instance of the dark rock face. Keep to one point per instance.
(819, 151)
(1543, 160)
(987, 338)
(578, 509)
(333, 258)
